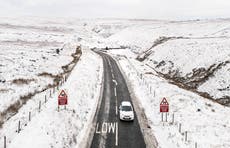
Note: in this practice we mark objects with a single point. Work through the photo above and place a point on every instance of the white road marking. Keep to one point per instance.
(112, 127)
(115, 91)
(97, 131)
(114, 81)
(106, 127)
(116, 107)
(116, 134)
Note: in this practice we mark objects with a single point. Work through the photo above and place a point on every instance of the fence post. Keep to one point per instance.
(180, 127)
(186, 135)
(166, 117)
(172, 118)
(29, 116)
(19, 126)
(39, 107)
(161, 117)
(45, 99)
(195, 144)
(4, 141)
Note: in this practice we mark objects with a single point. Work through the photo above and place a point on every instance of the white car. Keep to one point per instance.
(126, 111)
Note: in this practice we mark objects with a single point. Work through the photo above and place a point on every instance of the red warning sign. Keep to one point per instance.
(62, 98)
(164, 105)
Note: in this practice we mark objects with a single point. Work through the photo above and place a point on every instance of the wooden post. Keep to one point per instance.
(50, 94)
(166, 117)
(39, 107)
(195, 144)
(4, 141)
(19, 126)
(29, 116)
(58, 108)
(45, 99)
(173, 118)
(65, 78)
(186, 135)
(180, 127)
(162, 117)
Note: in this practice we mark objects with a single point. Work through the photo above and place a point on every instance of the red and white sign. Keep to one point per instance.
(62, 98)
(164, 106)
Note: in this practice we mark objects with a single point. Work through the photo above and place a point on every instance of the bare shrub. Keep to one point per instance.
(22, 81)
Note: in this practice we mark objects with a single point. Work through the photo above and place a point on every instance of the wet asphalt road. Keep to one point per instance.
(110, 132)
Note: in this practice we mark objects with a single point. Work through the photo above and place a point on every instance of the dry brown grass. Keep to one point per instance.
(4, 90)
(22, 81)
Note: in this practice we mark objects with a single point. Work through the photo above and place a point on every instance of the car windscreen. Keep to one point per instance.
(126, 108)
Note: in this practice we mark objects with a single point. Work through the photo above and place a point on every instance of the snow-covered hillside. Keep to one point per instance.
(193, 53)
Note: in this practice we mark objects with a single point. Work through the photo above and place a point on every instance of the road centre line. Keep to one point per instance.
(116, 107)
(116, 143)
(115, 91)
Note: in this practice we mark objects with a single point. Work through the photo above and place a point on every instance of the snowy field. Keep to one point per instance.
(66, 128)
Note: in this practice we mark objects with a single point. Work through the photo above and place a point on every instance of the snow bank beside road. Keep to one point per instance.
(66, 128)
(201, 118)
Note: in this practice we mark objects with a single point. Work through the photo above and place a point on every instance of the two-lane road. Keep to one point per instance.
(110, 132)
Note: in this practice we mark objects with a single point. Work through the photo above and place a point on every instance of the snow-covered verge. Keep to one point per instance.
(206, 122)
(193, 54)
(66, 128)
